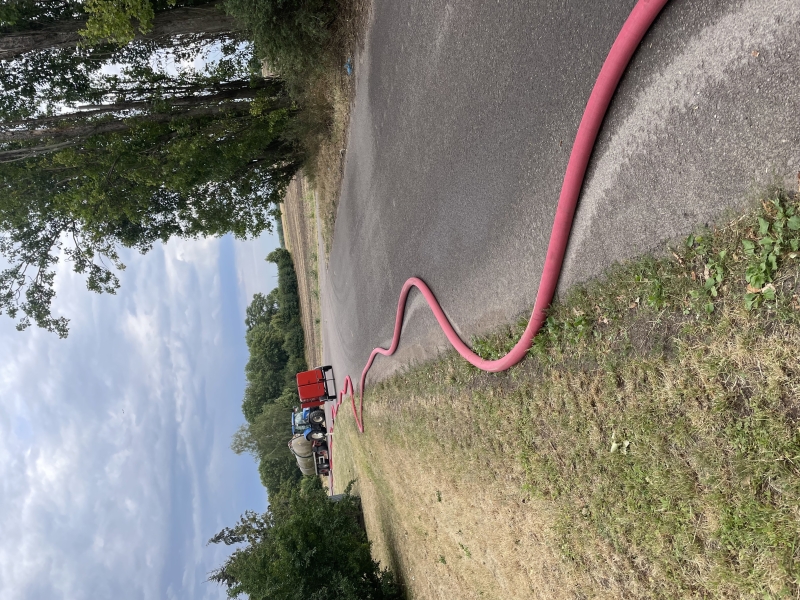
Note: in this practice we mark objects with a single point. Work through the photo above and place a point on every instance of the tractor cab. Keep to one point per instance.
(299, 421)
(309, 423)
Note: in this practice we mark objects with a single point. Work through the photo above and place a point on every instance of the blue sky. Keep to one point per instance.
(115, 464)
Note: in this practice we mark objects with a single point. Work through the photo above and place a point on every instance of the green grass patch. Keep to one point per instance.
(659, 413)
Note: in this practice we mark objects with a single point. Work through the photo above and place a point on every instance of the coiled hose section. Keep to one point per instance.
(628, 40)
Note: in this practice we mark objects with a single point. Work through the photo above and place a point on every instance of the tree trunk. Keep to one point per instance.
(206, 20)
(231, 97)
(53, 140)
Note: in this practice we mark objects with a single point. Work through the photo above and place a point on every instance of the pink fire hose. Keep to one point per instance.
(628, 40)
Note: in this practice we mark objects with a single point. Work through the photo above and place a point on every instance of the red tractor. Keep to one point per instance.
(313, 388)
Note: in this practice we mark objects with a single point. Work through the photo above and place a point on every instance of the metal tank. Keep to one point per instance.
(301, 448)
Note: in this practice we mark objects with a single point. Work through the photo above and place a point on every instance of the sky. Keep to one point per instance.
(115, 466)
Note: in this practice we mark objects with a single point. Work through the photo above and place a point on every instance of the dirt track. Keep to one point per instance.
(300, 234)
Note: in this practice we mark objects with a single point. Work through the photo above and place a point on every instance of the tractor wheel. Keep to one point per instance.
(317, 435)
(317, 417)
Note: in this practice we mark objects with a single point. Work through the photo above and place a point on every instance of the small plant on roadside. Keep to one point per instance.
(778, 238)
(714, 274)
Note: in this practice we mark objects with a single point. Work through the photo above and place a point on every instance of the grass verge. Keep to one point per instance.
(648, 448)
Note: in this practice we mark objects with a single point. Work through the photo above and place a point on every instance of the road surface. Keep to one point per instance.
(464, 117)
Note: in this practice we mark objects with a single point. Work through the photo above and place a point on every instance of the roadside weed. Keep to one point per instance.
(778, 239)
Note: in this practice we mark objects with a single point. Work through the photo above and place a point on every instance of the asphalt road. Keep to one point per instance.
(464, 117)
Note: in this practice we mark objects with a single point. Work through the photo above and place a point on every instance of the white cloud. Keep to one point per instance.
(114, 462)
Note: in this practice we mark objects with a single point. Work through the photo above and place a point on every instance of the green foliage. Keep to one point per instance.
(156, 180)
(80, 74)
(93, 159)
(265, 439)
(261, 309)
(280, 471)
(304, 547)
(266, 435)
(277, 353)
(265, 368)
(713, 272)
(291, 35)
(275, 342)
(113, 20)
(31, 14)
(778, 238)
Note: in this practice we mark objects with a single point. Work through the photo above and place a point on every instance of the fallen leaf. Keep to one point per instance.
(752, 290)
(755, 53)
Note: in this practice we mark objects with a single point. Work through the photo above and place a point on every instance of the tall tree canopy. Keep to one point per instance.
(304, 547)
(136, 122)
(31, 25)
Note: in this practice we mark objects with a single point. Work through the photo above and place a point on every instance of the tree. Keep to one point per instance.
(30, 25)
(266, 440)
(97, 160)
(185, 177)
(294, 36)
(275, 341)
(303, 547)
(264, 369)
(266, 435)
(278, 472)
(261, 309)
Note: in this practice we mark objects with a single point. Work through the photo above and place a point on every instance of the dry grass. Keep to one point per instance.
(649, 448)
(300, 234)
(450, 532)
(326, 167)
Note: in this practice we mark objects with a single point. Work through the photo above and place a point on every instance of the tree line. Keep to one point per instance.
(111, 137)
(304, 546)
(274, 337)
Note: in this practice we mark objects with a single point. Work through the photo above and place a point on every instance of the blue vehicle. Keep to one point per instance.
(310, 423)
